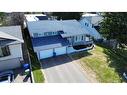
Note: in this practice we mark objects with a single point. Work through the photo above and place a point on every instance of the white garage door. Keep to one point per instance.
(60, 51)
(46, 53)
(10, 64)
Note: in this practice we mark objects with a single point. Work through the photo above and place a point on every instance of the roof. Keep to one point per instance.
(6, 42)
(92, 31)
(35, 17)
(49, 42)
(89, 14)
(69, 27)
(12, 33)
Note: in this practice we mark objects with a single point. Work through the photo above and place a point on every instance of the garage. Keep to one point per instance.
(46, 53)
(49, 53)
(10, 64)
(46, 47)
(60, 51)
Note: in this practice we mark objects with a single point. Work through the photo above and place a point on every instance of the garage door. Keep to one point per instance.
(46, 53)
(60, 51)
(9, 64)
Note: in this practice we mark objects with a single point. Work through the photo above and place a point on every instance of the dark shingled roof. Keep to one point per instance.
(50, 42)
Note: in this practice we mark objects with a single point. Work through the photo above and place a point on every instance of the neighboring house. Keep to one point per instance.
(10, 47)
(85, 23)
(93, 18)
(52, 37)
(35, 17)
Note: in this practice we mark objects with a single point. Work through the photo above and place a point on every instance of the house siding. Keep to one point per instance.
(15, 52)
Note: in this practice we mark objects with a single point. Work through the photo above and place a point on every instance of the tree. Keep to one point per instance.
(114, 26)
(67, 15)
(2, 18)
(17, 18)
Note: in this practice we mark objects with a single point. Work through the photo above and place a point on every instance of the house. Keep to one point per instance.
(87, 25)
(93, 18)
(10, 47)
(35, 17)
(52, 37)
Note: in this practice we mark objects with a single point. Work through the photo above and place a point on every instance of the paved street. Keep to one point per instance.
(62, 69)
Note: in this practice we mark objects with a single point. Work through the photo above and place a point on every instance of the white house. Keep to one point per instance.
(52, 37)
(10, 47)
(87, 25)
(35, 17)
(93, 18)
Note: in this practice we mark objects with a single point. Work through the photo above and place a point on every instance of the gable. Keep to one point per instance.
(12, 33)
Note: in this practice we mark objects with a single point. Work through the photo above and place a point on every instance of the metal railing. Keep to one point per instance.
(82, 43)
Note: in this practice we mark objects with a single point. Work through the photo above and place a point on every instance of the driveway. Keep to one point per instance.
(62, 69)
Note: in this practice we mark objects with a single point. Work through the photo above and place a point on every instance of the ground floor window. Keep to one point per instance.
(4, 51)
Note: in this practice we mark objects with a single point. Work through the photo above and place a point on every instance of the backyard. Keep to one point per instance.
(105, 63)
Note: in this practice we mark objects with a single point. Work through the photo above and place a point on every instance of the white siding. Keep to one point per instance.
(79, 38)
(9, 64)
(16, 52)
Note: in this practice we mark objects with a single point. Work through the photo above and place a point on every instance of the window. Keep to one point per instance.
(4, 51)
(35, 34)
(76, 38)
(48, 33)
(82, 37)
(92, 26)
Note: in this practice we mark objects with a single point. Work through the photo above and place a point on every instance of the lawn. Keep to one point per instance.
(35, 64)
(107, 64)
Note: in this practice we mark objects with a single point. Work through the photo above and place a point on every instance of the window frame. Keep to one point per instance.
(5, 51)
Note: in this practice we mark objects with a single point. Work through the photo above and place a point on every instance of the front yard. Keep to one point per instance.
(106, 64)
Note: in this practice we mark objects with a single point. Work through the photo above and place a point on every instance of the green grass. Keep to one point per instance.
(36, 69)
(35, 64)
(106, 63)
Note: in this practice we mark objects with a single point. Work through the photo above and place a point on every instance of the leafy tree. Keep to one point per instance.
(2, 18)
(17, 18)
(67, 15)
(114, 26)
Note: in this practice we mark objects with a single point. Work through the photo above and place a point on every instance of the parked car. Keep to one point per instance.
(6, 77)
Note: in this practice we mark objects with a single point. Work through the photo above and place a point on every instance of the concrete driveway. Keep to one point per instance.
(62, 69)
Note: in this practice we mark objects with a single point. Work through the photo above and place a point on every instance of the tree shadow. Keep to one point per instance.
(55, 61)
(115, 61)
(62, 59)
(81, 54)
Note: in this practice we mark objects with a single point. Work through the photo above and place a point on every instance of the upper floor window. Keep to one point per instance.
(4, 51)
(82, 38)
(35, 34)
(48, 33)
(76, 38)
(92, 26)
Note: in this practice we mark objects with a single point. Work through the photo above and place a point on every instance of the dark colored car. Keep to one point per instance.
(6, 77)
